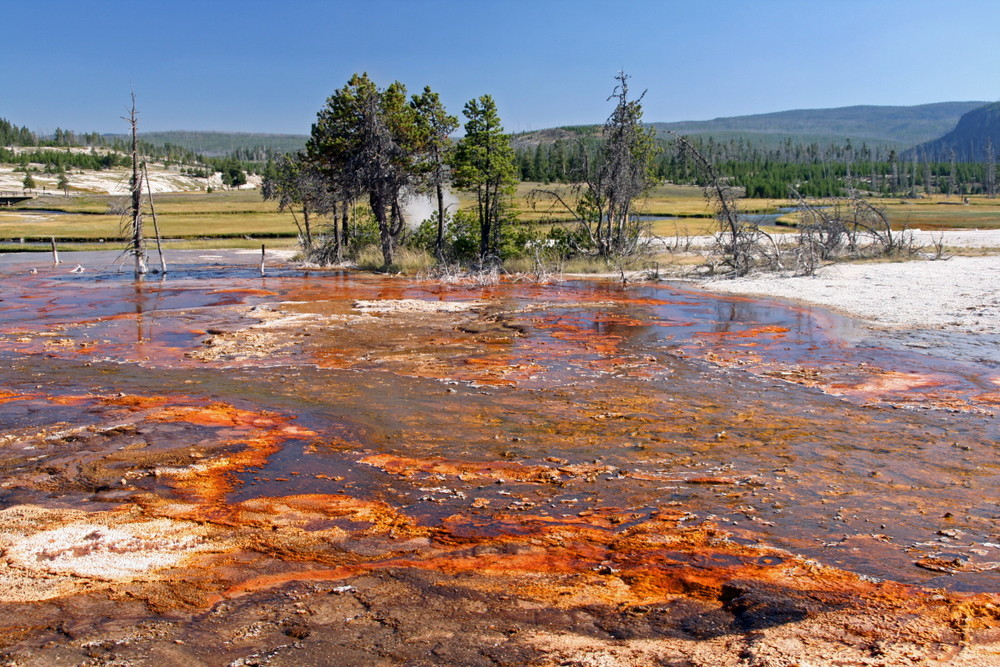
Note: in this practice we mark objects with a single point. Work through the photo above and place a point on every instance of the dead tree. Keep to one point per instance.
(156, 226)
(874, 221)
(135, 244)
(822, 233)
(612, 179)
(740, 241)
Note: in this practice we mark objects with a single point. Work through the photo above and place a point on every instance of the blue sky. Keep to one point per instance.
(256, 66)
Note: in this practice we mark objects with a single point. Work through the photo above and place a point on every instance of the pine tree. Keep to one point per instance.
(434, 125)
(484, 165)
(990, 175)
(366, 141)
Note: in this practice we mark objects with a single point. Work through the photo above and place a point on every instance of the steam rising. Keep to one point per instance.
(419, 207)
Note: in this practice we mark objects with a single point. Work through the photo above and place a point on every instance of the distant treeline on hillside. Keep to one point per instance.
(51, 153)
(12, 135)
(255, 147)
(899, 126)
(811, 170)
(220, 150)
(56, 161)
(813, 152)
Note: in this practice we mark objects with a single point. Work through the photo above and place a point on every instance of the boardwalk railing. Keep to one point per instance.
(27, 194)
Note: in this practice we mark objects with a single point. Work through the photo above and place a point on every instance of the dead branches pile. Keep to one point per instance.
(850, 227)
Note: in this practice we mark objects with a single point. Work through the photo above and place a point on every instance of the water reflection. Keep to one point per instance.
(746, 413)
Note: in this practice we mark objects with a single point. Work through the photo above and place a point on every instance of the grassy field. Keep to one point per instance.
(939, 212)
(242, 219)
(685, 201)
(225, 218)
(188, 244)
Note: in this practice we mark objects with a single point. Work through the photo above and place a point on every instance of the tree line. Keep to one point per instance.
(12, 135)
(379, 146)
(810, 169)
(234, 168)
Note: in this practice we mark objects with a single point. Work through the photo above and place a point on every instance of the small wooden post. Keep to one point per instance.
(262, 250)
(55, 253)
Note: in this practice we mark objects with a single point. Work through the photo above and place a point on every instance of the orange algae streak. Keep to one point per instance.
(745, 333)
(269, 581)
(210, 480)
(222, 414)
(139, 402)
(8, 396)
(884, 382)
(248, 292)
(609, 561)
(329, 516)
(407, 467)
(989, 398)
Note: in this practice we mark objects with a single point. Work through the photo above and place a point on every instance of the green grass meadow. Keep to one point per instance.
(243, 220)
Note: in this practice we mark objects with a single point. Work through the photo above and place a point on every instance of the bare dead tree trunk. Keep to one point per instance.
(136, 244)
(378, 206)
(336, 232)
(308, 227)
(439, 243)
(741, 242)
(344, 220)
(952, 174)
(156, 227)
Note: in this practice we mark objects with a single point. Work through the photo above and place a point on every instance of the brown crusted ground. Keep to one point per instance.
(331, 578)
(555, 594)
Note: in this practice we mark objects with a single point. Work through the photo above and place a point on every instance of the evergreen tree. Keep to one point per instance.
(434, 125)
(540, 164)
(11, 135)
(366, 140)
(990, 169)
(29, 182)
(484, 165)
(294, 181)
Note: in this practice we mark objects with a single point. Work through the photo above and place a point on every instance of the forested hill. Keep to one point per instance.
(214, 144)
(968, 141)
(904, 126)
(878, 126)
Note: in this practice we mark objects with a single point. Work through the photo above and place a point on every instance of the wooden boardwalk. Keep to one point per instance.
(11, 197)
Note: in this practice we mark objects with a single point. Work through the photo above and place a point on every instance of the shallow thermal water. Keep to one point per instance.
(749, 414)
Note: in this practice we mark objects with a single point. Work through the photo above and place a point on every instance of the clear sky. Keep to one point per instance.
(268, 66)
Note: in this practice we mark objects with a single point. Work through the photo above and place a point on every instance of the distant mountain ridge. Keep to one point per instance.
(907, 126)
(217, 144)
(967, 141)
(898, 127)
